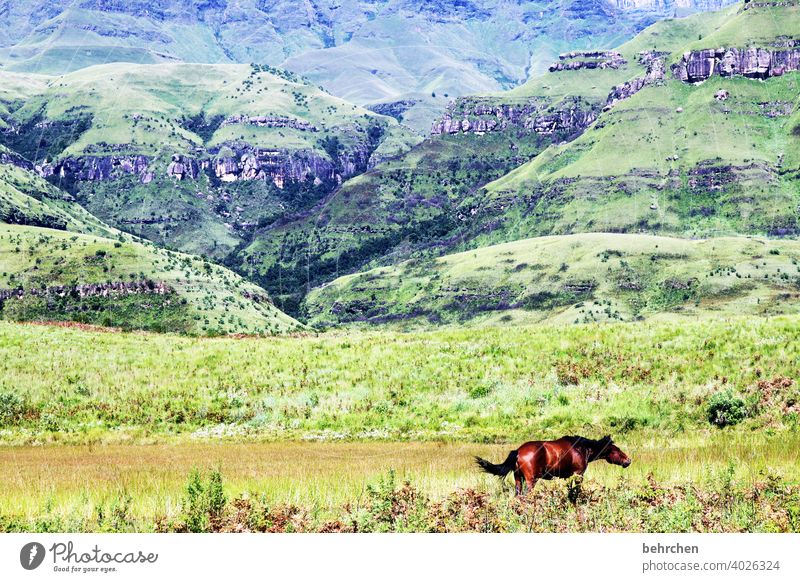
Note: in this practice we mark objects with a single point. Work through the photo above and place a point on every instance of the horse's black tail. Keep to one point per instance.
(502, 469)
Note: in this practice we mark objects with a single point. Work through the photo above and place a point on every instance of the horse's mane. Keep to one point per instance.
(590, 445)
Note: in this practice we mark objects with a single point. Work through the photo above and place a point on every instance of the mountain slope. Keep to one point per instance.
(370, 52)
(60, 263)
(417, 202)
(28, 199)
(659, 154)
(571, 279)
(719, 155)
(173, 151)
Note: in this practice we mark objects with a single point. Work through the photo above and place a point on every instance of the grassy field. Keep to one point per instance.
(144, 432)
(655, 378)
(750, 482)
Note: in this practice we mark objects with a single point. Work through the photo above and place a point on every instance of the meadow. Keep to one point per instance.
(375, 431)
(725, 483)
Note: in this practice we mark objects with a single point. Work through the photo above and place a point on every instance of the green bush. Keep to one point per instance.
(204, 503)
(12, 408)
(726, 409)
(480, 390)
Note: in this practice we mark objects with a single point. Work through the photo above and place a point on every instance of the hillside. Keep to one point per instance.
(26, 198)
(396, 54)
(608, 140)
(54, 275)
(421, 193)
(710, 145)
(58, 262)
(581, 278)
(172, 151)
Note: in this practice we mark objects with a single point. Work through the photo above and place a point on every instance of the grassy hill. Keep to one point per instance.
(572, 279)
(149, 109)
(670, 159)
(419, 202)
(54, 275)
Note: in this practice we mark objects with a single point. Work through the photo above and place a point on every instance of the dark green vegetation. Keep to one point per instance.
(641, 379)
(400, 205)
(383, 52)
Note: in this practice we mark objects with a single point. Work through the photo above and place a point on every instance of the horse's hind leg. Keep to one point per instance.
(527, 473)
(517, 482)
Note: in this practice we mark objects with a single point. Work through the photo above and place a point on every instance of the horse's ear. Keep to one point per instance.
(607, 439)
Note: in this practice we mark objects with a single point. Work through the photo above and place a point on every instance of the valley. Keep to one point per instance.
(271, 269)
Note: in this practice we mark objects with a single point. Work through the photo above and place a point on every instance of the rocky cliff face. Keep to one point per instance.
(97, 168)
(752, 62)
(576, 60)
(90, 290)
(244, 162)
(480, 115)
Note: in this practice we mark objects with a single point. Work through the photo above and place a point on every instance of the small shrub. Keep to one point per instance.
(480, 391)
(203, 503)
(12, 408)
(726, 409)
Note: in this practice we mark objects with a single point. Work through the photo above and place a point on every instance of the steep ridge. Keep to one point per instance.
(717, 156)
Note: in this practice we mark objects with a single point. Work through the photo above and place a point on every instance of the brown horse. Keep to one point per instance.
(567, 456)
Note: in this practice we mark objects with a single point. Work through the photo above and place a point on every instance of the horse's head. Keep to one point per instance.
(613, 454)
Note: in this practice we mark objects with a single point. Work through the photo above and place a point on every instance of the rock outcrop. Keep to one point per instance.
(282, 166)
(90, 290)
(752, 62)
(270, 121)
(97, 168)
(576, 60)
(481, 115)
(243, 162)
(12, 159)
(183, 167)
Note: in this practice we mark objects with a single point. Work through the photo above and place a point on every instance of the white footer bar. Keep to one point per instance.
(418, 557)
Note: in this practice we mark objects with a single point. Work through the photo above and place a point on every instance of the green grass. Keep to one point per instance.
(202, 298)
(571, 279)
(646, 379)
